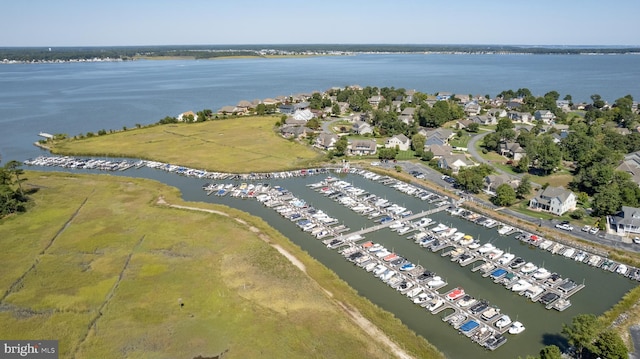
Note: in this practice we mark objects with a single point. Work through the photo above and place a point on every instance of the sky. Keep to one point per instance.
(219, 22)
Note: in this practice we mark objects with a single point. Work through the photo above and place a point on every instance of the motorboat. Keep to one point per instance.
(545, 244)
(486, 248)
(448, 232)
(516, 328)
(407, 267)
(466, 240)
(495, 254)
(422, 298)
(541, 273)
(435, 304)
(466, 301)
(622, 269)
(503, 322)
(504, 230)
(413, 292)
(435, 282)
(474, 245)
(455, 293)
(506, 258)
(490, 313)
(455, 253)
(533, 291)
(520, 285)
(479, 307)
(528, 268)
(439, 228)
(517, 263)
(569, 252)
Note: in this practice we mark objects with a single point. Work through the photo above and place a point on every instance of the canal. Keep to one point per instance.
(602, 288)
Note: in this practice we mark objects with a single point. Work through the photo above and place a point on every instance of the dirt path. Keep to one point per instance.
(355, 315)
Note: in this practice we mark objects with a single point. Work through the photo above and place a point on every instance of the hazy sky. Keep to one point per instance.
(174, 22)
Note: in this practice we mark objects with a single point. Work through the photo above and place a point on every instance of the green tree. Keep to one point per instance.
(550, 352)
(547, 154)
(598, 102)
(335, 109)
(523, 165)
(505, 196)
(471, 178)
(427, 156)
(609, 345)
(417, 143)
(473, 127)
(607, 201)
(341, 146)
(261, 109)
(524, 188)
(581, 332)
(313, 124)
(13, 168)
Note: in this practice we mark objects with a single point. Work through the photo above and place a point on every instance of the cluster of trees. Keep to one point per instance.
(441, 112)
(12, 196)
(589, 339)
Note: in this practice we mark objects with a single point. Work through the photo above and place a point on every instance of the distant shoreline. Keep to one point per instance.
(24, 55)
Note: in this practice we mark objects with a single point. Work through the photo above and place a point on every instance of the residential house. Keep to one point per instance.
(462, 124)
(362, 147)
(407, 114)
(439, 151)
(454, 162)
(631, 165)
(296, 131)
(486, 120)
(362, 128)
(556, 200)
(228, 110)
(290, 109)
(515, 116)
(444, 96)
(497, 112)
(375, 100)
(269, 102)
(564, 105)
(400, 141)
(627, 221)
(326, 141)
(439, 136)
(472, 108)
(304, 115)
(512, 150)
(243, 106)
(492, 182)
(545, 116)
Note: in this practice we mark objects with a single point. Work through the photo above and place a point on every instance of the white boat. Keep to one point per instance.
(495, 254)
(541, 273)
(435, 282)
(457, 236)
(486, 248)
(439, 228)
(516, 328)
(396, 225)
(521, 285)
(422, 298)
(474, 245)
(533, 291)
(489, 223)
(506, 258)
(423, 222)
(504, 230)
(379, 270)
(503, 322)
(569, 252)
(528, 268)
(448, 232)
(622, 269)
(413, 292)
(435, 304)
(466, 301)
(545, 244)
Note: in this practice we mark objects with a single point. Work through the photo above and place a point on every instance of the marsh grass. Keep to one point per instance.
(238, 294)
(230, 145)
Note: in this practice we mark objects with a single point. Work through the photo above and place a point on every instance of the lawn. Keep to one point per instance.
(99, 266)
(232, 145)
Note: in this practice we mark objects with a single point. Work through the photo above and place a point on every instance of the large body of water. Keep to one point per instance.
(78, 98)
(75, 98)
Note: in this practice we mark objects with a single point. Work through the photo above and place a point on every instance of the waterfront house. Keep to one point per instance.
(492, 182)
(362, 147)
(454, 162)
(228, 110)
(439, 150)
(626, 221)
(326, 141)
(407, 114)
(290, 109)
(400, 141)
(362, 128)
(556, 200)
(472, 108)
(375, 100)
(244, 106)
(443, 96)
(545, 116)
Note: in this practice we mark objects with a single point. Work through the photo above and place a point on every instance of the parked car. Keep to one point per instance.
(586, 228)
(565, 226)
(636, 240)
(595, 230)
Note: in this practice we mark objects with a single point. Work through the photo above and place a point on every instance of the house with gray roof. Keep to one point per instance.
(545, 116)
(492, 182)
(512, 150)
(627, 221)
(362, 147)
(631, 165)
(362, 128)
(454, 162)
(556, 200)
(326, 141)
(439, 150)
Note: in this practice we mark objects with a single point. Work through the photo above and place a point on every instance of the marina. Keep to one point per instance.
(412, 243)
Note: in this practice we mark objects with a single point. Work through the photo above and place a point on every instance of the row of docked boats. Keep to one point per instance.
(476, 318)
(123, 164)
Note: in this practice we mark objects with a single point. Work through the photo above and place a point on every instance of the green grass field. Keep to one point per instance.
(232, 145)
(100, 266)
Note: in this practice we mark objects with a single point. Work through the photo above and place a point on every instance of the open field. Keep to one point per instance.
(103, 266)
(246, 144)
